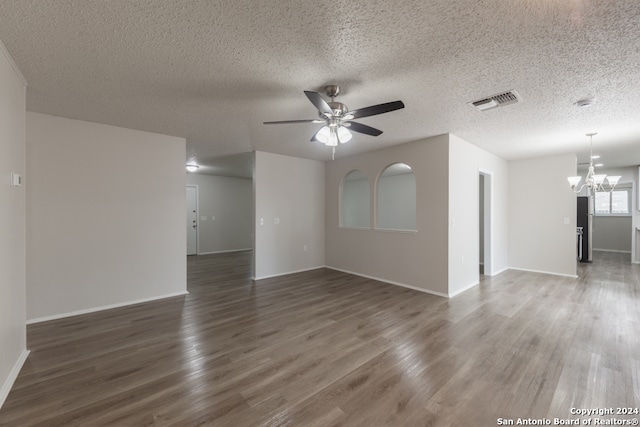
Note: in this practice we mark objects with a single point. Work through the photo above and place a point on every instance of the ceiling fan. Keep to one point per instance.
(338, 120)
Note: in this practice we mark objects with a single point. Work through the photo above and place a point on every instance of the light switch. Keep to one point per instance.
(213, 218)
(276, 221)
(566, 220)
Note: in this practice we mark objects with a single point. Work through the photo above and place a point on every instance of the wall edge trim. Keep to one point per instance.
(255, 279)
(466, 288)
(225, 251)
(104, 307)
(391, 282)
(573, 276)
(495, 273)
(612, 250)
(14, 66)
(13, 375)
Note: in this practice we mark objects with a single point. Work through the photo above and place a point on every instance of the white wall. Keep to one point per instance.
(105, 216)
(612, 233)
(356, 194)
(413, 259)
(290, 190)
(539, 201)
(466, 161)
(230, 201)
(396, 199)
(12, 224)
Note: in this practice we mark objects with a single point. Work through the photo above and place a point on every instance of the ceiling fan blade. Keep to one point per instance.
(294, 121)
(359, 127)
(315, 136)
(376, 109)
(319, 102)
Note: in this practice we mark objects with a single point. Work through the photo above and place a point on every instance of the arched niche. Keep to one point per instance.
(355, 206)
(396, 198)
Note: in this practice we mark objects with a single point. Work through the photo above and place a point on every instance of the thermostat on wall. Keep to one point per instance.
(16, 180)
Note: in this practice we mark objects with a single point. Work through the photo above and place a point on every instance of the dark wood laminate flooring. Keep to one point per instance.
(324, 348)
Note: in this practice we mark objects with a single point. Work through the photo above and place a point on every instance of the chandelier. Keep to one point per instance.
(592, 181)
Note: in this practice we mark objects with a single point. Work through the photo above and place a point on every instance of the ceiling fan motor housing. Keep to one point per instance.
(338, 120)
(332, 90)
(338, 108)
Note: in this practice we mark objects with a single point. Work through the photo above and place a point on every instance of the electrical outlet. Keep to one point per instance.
(16, 180)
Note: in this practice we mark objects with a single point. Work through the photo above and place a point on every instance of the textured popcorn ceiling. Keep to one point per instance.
(213, 71)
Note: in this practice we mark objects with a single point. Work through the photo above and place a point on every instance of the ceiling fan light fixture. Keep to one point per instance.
(344, 135)
(333, 138)
(324, 134)
(337, 117)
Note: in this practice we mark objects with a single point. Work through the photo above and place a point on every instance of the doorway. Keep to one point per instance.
(484, 223)
(192, 220)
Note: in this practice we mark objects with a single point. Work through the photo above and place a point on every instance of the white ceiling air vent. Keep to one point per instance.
(499, 100)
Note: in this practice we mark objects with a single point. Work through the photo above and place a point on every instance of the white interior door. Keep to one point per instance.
(192, 220)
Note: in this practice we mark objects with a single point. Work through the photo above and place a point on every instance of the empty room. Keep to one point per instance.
(416, 213)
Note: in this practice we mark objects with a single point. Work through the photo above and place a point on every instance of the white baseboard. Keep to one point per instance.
(6, 387)
(105, 307)
(391, 282)
(495, 273)
(466, 288)
(225, 252)
(573, 276)
(287, 273)
(612, 250)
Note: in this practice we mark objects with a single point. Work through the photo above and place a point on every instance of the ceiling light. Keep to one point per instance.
(592, 181)
(337, 118)
(324, 136)
(599, 165)
(344, 134)
(192, 168)
(595, 157)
